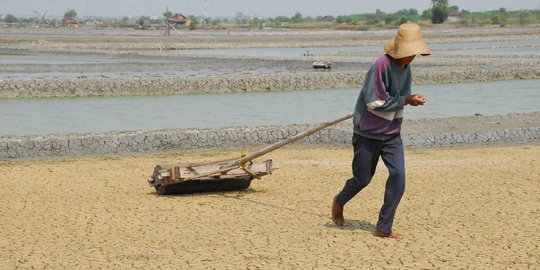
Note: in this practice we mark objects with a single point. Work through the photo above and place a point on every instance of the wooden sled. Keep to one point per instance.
(222, 175)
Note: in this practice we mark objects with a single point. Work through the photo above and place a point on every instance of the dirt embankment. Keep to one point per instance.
(454, 131)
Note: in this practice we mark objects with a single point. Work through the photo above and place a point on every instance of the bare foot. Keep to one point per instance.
(337, 213)
(391, 235)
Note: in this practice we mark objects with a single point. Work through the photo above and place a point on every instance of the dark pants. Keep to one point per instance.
(366, 156)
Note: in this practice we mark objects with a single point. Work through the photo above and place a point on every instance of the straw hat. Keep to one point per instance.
(407, 42)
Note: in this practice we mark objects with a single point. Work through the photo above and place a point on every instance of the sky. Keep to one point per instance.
(228, 8)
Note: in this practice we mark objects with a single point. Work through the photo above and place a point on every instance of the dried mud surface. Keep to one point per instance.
(463, 208)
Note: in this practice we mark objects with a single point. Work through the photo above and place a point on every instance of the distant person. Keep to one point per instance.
(377, 123)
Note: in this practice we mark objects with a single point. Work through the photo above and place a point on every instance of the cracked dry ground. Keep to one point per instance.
(474, 208)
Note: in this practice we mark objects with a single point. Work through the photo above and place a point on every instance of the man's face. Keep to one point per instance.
(407, 60)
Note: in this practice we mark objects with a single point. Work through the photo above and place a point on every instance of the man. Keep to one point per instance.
(377, 124)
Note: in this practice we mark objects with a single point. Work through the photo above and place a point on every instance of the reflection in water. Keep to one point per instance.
(67, 115)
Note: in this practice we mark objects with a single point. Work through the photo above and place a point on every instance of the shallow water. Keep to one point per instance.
(99, 114)
(32, 65)
(471, 48)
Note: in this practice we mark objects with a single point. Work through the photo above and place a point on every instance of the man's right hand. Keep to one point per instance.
(415, 100)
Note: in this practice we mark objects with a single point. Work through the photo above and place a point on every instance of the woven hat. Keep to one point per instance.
(407, 42)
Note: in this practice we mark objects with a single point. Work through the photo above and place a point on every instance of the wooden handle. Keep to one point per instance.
(292, 139)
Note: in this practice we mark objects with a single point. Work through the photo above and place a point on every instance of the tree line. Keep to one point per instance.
(439, 13)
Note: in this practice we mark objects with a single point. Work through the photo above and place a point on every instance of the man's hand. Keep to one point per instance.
(415, 100)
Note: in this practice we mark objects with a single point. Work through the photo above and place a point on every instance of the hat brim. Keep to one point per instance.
(418, 47)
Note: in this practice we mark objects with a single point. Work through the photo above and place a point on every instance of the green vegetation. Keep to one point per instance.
(70, 13)
(500, 17)
(194, 22)
(142, 21)
(167, 14)
(10, 18)
(440, 13)
(380, 19)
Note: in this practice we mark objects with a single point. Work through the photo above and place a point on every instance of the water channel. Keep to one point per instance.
(99, 114)
(524, 47)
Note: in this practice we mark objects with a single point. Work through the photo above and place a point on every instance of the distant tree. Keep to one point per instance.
(309, 19)
(379, 13)
(29, 20)
(439, 11)
(10, 18)
(390, 18)
(474, 19)
(70, 13)
(215, 21)
(397, 18)
(297, 17)
(343, 19)
(498, 18)
(282, 19)
(254, 23)
(453, 9)
(194, 22)
(241, 18)
(277, 22)
(427, 14)
(464, 21)
(53, 23)
(167, 14)
(402, 20)
(156, 21)
(525, 17)
(373, 20)
(143, 20)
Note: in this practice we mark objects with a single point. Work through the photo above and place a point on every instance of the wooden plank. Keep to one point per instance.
(295, 138)
(177, 174)
(226, 169)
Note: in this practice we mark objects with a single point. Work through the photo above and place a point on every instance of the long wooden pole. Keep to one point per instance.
(292, 139)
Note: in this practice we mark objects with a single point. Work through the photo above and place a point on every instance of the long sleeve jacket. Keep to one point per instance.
(378, 112)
